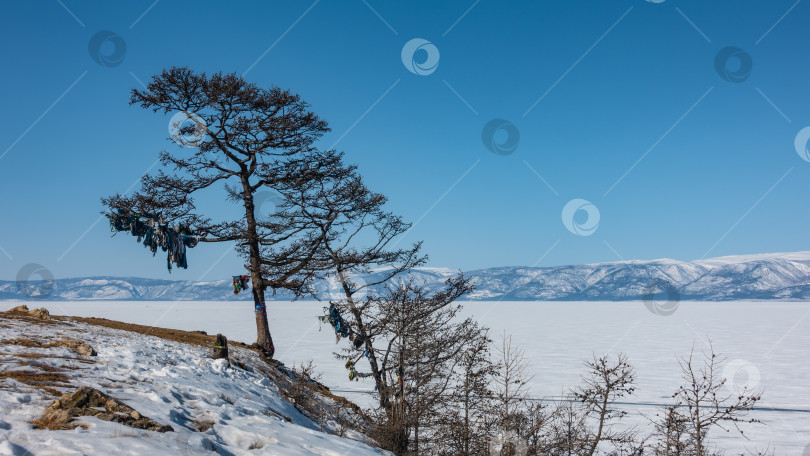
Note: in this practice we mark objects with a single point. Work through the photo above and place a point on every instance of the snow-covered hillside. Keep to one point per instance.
(779, 276)
(213, 408)
(750, 277)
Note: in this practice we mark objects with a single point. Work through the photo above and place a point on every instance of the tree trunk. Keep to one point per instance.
(382, 387)
(263, 338)
(466, 434)
(221, 347)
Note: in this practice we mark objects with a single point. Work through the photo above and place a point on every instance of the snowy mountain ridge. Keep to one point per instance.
(777, 276)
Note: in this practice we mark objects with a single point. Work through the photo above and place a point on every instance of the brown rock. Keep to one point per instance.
(87, 401)
(23, 308)
(78, 346)
(57, 418)
(40, 313)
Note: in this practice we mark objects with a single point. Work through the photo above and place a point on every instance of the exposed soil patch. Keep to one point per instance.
(188, 337)
(42, 355)
(78, 346)
(46, 381)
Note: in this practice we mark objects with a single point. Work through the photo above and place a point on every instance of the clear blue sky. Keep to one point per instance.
(615, 81)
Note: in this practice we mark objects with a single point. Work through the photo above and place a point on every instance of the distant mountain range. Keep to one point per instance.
(779, 276)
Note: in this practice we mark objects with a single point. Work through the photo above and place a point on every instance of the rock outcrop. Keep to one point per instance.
(37, 313)
(87, 401)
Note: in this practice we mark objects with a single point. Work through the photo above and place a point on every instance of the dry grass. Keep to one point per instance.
(11, 359)
(41, 376)
(122, 432)
(73, 344)
(30, 343)
(202, 425)
(35, 355)
(277, 415)
(188, 337)
(46, 381)
(55, 423)
(199, 338)
(28, 318)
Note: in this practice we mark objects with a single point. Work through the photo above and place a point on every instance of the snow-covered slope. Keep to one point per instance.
(779, 276)
(170, 382)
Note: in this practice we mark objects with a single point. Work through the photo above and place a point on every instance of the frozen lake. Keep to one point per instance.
(764, 343)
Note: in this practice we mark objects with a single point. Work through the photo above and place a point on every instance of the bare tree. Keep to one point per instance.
(408, 334)
(341, 212)
(568, 429)
(701, 404)
(510, 393)
(605, 383)
(243, 135)
(670, 434)
(465, 422)
(420, 340)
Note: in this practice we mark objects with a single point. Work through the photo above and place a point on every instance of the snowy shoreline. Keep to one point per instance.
(171, 382)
